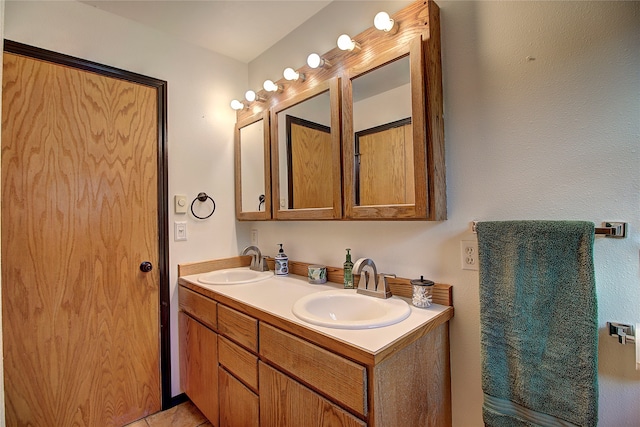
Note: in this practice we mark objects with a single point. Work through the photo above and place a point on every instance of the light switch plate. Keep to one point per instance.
(180, 203)
(179, 230)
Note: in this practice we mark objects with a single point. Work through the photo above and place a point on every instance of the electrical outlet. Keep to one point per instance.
(469, 254)
(254, 237)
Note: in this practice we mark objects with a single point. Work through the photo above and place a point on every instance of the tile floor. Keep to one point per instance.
(183, 415)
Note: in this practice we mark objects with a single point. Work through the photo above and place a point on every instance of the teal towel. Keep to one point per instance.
(539, 323)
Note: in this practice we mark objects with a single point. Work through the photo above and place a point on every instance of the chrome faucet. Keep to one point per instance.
(379, 279)
(258, 262)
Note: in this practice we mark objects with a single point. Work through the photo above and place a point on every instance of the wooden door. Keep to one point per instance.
(310, 172)
(79, 216)
(386, 167)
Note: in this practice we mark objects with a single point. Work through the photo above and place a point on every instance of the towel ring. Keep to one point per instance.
(202, 197)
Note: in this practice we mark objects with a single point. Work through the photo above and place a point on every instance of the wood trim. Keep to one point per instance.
(163, 213)
(200, 267)
(435, 118)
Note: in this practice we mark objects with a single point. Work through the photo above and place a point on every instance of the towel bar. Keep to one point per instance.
(610, 229)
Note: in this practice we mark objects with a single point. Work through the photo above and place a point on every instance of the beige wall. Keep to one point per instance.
(552, 138)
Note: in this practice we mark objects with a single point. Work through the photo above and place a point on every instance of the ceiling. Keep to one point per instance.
(235, 28)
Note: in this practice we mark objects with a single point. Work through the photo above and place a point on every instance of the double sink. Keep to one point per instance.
(336, 308)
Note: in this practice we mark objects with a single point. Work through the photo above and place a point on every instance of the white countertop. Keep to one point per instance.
(277, 295)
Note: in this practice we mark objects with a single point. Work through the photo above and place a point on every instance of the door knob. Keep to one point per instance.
(146, 267)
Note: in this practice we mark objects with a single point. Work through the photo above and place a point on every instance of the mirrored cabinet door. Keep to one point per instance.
(253, 165)
(384, 142)
(306, 148)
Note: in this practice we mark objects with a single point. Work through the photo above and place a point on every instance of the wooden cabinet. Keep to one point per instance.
(239, 405)
(240, 370)
(414, 174)
(199, 365)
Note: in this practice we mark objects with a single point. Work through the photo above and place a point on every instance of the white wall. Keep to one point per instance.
(200, 122)
(555, 137)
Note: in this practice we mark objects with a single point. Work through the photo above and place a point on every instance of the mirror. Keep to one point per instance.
(252, 162)
(384, 142)
(306, 148)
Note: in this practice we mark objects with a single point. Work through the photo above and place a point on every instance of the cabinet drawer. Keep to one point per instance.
(198, 306)
(239, 327)
(335, 376)
(239, 362)
(287, 403)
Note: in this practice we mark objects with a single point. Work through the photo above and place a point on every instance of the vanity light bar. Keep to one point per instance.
(382, 21)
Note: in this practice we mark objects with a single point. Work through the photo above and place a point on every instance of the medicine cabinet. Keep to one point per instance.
(306, 147)
(362, 139)
(253, 167)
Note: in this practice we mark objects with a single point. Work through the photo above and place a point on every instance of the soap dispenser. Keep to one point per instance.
(348, 271)
(282, 263)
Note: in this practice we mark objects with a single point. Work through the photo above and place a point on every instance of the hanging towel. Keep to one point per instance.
(539, 326)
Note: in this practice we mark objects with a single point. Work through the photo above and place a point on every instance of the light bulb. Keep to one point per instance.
(270, 86)
(383, 22)
(290, 74)
(237, 105)
(250, 96)
(314, 61)
(345, 42)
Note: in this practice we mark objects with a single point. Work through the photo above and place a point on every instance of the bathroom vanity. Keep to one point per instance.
(247, 360)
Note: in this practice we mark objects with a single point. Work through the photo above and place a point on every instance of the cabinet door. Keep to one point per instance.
(199, 365)
(287, 403)
(239, 406)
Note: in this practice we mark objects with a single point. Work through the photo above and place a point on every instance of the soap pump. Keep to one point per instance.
(282, 263)
(348, 271)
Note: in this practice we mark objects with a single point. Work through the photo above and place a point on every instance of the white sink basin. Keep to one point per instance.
(345, 309)
(234, 276)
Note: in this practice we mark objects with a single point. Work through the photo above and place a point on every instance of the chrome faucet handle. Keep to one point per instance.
(257, 260)
(262, 264)
(382, 278)
(358, 268)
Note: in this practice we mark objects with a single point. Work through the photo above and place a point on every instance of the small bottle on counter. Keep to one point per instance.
(348, 271)
(282, 263)
(422, 292)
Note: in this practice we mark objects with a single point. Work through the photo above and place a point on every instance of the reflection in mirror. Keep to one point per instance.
(384, 164)
(252, 172)
(252, 166)
(308, 160)
(307, 149)
(304, 138)
(383, 157)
